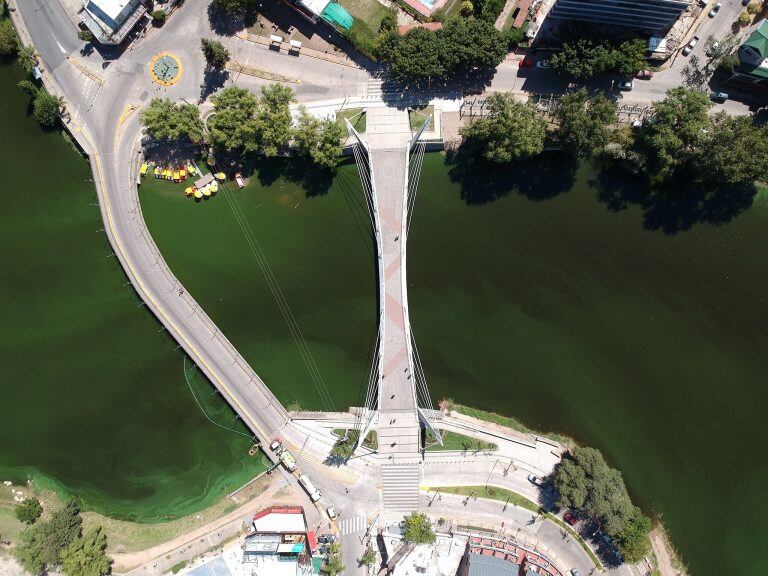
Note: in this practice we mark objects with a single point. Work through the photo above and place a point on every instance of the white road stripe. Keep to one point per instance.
(60, 46)
(352, 525)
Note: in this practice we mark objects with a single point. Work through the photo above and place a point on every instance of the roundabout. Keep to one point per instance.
(165, 69)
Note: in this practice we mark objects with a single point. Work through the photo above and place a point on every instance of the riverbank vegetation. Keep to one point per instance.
(242, 125)
(585, 483)
(458, 442)
(681, 165)
(345, 445)
(58, 542)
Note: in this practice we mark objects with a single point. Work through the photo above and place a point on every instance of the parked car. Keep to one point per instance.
(718, 96)
(331, 512)
(745, 2)
(543, 64)
(326, 539)
(575, 572)
(644, 74)
(713, 49)
(570, 518)
(626, 85)
(277, 445)
(689, 47)
(715, 10)
(525, 63)
(533, 479)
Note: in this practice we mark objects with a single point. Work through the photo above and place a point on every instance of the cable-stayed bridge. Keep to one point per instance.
(397, 405)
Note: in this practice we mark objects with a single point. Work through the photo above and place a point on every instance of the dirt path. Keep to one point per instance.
(660, 546)
(210, 534)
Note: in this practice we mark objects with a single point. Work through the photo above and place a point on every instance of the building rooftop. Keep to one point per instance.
(481, 565)
(280, 520)
(753, 53)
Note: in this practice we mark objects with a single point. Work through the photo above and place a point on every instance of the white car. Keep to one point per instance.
(715, 10)
(331, 512)
(533, 479)
(689, 47)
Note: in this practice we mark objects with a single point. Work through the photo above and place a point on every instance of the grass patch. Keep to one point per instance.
(344, 447)
(179, 566)
(453, 441)
(417, 116)
(356, 117)
(492, 493)
(372, 12)
(506, 421)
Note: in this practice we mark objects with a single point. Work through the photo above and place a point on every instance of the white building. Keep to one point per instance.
(110, 21)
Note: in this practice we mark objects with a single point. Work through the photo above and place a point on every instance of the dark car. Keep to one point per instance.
(718, 96)
(526, 63)
(570, 518)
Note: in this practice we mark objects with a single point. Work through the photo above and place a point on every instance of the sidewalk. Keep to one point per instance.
(304, 51)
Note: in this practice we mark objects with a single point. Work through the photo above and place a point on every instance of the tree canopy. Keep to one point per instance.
(319, 140)
(333, 564)
(236, 6)
(632, 541)
(167, 120)
(28, 511)
(418, 529)
(46, 109)
(460, 47)
(584, 122)
(585, 482)
(274, 118)
(215, 53)
(41, 544)
(86, 556)
(510, 131)
(584, 58)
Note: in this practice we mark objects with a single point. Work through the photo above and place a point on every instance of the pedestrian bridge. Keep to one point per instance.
(397, 405)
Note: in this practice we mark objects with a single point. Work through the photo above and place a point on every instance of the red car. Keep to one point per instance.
(525, 63)
(568, 517)
(644, 74)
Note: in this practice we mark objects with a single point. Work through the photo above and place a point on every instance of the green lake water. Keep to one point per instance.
(554, 310)
(540, 303)
(94, 399)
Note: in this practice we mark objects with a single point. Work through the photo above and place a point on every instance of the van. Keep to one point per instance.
(288, 460)
(306, 483)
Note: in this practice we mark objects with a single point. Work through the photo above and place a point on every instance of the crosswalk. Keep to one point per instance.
(352, 525)
(401, 486)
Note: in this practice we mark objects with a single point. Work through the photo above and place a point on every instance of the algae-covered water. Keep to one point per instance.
(93, 397)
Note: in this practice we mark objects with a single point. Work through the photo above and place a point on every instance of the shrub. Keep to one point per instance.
(159, 17)
(9, 42)
(86, 35)
(467, 8)
(45, 109)
(28, 511)
(753, 8)
(744, 18)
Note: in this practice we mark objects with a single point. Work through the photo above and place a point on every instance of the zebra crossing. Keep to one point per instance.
(352, 525)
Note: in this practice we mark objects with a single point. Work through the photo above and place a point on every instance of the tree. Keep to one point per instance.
(86, 35)
(86, 556)
(28, 87)
(677, 129)
(215, 53)
(583, 59)
(368, 558)
(416, 55)
(632, 541)
(333, 564)
(753, 9)
(745, 18)
(471, 43)
(46, 109)
(27, 58)
(418, 529)
(166, 120)
(28, 511)
(512, 130)
(734, 152)
(273, 119)
(40, 545)
(9, 41)
(233, 127)
(631, 56)
(318, 140)
(389, 22)
(159, 16)
(584, 122)
(236, 6)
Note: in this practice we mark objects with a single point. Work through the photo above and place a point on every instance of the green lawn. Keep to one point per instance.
(369, 442)
(492, 493)
(371, 12)
(453, 441)
(355, 115)
(507, 421)
(417, 116)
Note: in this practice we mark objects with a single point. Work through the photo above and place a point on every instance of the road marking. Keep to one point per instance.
(60, 46)
(127, 111)
(352, 525)
(85, 70)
